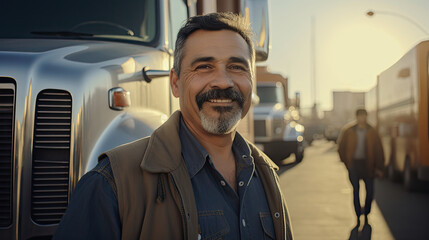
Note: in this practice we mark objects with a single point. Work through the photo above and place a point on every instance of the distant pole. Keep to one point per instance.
(313, 61)
(371, 13)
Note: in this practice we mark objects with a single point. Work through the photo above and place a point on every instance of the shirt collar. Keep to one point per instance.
(192, 151)
(242, 152)
(195, 155)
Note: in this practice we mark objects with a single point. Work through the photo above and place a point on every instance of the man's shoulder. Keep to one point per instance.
(138, 147)
(260, 157)
(127, 152)
(349, 126)
(371, 130)
(134, 145)
(104, 169)
(370, 127)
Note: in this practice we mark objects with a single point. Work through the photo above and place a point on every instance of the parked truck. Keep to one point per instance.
(76, 79)
(277, 131)
(400, 100)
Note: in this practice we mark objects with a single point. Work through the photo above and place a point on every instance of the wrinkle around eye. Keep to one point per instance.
(237, 67)
(240, 70)
(203, 67)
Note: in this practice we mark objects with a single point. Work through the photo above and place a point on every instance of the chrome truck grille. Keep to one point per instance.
(7, 109)
(51, 156)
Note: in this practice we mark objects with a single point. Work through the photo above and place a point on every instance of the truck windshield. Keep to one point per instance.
(117, 20)
(270, 94)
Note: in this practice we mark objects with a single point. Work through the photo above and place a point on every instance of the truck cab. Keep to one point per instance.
(277, 131)
(76, 79)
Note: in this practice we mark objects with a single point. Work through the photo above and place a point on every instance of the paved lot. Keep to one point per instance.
(319, 197)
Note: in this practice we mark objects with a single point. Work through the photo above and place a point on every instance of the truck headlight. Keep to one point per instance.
(299, 128)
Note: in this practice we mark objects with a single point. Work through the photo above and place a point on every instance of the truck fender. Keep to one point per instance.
(126, 127)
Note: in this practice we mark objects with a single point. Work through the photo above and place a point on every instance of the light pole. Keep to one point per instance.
(371, 13)
(313, 61)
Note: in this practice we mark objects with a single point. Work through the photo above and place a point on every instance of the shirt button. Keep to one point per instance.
(244, 222)
(241, 183)
(223, 183)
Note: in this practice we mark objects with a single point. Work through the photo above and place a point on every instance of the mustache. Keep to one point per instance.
(228, 93)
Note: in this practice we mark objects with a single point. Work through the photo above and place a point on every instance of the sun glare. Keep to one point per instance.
(358, 48)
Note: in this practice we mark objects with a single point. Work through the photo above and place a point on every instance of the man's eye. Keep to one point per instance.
(237, 67)
(203, 67)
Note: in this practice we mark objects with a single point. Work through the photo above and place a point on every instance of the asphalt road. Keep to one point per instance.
(320, 201)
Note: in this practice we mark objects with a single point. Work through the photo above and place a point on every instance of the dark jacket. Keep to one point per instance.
(154, 190)
(374, 150)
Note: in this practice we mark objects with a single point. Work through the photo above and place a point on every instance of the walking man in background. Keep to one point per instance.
(360, 149)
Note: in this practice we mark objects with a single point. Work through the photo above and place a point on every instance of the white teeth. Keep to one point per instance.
(220, 100)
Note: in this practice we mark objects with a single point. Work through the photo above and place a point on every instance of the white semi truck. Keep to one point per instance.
(277, 131)
(76, 79)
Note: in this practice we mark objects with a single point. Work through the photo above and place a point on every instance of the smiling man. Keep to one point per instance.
(195, 177)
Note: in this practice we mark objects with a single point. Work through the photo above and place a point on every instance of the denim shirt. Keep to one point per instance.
(224, 213)
(93, 211)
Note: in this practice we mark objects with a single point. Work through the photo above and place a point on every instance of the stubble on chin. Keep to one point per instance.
(225, 121)
(220, 119)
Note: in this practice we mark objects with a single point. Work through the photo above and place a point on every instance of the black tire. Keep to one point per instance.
(299, 156)
(299, 153)
(411, 182)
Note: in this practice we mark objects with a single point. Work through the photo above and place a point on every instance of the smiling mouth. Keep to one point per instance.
(220, 100)
(223, 98)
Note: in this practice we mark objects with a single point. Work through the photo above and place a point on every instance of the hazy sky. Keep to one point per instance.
(351, 49)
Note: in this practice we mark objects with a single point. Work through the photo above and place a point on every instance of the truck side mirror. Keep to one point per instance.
(256, 11)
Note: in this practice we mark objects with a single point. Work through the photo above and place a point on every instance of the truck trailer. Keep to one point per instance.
(400, 100)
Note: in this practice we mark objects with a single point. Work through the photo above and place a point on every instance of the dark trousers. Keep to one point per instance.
(357, 171)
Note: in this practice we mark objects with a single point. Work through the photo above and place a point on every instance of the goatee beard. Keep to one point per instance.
(229, 116)
(223, 124)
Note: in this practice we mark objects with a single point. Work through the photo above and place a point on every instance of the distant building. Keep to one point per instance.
(345, 104)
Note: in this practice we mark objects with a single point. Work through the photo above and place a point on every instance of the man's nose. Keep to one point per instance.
(221, 79)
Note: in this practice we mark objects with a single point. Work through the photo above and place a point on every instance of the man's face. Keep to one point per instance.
(361, 118)
(215, 82)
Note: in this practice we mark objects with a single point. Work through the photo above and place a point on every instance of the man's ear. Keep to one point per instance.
(174, 81)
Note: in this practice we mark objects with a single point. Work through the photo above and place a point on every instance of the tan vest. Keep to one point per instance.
(154, 190)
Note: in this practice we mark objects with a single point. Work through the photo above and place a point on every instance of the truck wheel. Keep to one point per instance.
(299, 155)
(411, 181)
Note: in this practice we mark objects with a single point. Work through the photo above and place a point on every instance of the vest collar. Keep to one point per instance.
(355, 126)
(260, 158)
(163, 153)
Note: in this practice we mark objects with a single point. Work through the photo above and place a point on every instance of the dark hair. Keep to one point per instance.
(361, 111)
(212, 22)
